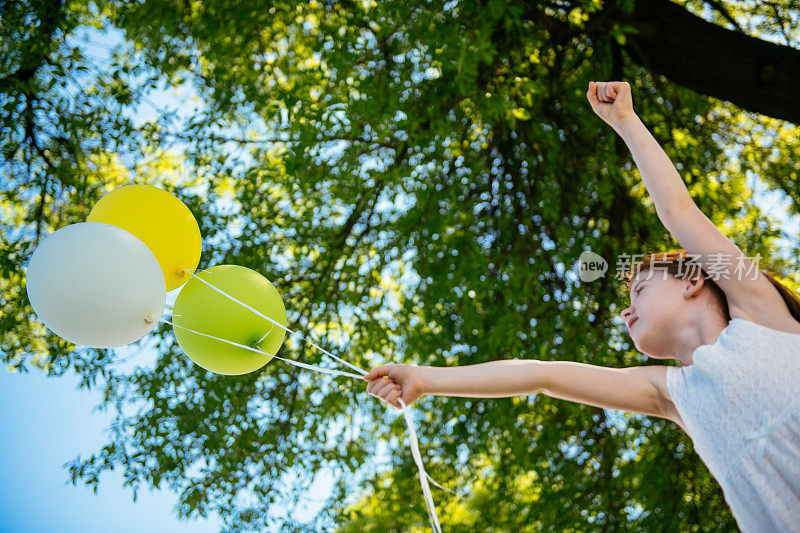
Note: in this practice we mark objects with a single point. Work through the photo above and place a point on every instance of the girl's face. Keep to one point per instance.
(658, 310)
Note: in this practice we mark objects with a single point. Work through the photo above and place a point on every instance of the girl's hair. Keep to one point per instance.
(679, 264)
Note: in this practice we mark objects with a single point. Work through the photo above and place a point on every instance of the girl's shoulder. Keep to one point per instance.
(779, 322)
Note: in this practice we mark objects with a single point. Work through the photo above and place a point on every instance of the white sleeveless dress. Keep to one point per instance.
(740, 403)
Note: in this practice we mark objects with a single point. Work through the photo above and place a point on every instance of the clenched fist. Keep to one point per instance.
(393, 382)
(611, 100)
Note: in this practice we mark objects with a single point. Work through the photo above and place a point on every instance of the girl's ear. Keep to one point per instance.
(693, 283)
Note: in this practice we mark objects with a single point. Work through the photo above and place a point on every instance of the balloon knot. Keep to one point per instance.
(149, 319)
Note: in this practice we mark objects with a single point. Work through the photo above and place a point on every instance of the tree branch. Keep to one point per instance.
(725, 64)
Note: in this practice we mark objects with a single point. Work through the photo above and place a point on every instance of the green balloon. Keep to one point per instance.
(200, 308)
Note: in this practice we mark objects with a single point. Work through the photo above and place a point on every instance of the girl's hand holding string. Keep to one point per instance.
(392, 382)
(611, 101)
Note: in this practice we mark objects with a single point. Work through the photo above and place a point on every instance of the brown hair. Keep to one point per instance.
(679, 264)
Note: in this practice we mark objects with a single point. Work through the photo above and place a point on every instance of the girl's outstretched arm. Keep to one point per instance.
(635, 389)
(638, 389)
(495, 379)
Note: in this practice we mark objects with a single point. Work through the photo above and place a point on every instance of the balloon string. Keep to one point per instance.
(317, 369)
(409, 422)
(326, 352)
(423, 476)
(296, 363)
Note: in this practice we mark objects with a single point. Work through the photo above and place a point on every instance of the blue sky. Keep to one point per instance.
(48, 422)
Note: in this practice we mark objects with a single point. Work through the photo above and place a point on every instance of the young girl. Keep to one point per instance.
(737, 336)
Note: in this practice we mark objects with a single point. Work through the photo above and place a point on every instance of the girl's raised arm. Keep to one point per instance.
(612, 102)
(748, 291)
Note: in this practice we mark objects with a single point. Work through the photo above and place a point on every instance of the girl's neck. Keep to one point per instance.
(702, 332)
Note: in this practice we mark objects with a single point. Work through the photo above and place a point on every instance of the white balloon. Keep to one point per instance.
(96, 285)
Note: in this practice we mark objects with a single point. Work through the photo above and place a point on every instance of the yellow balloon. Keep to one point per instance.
(159, 220)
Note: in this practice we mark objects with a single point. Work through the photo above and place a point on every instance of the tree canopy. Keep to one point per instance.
(418, 179)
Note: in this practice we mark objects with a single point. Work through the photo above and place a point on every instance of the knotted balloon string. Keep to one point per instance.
(415, 452)
(265, 335)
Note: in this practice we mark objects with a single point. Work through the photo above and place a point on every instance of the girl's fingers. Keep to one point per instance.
(387, 392)
(384, 391)
(608, 91)
(370, 386)
(384, 388)
(392, 397)
(373, 386)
